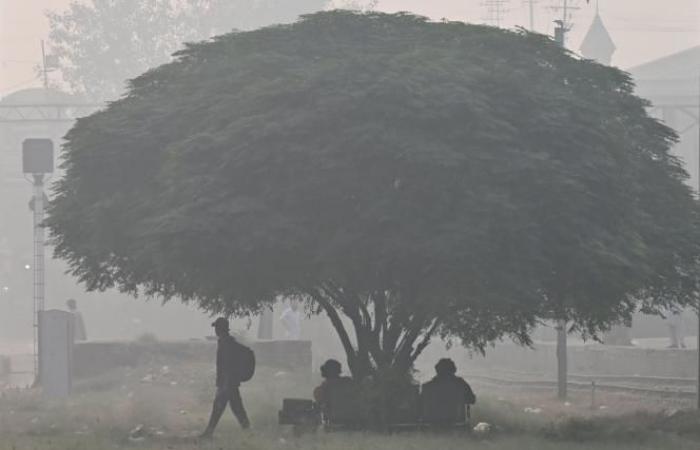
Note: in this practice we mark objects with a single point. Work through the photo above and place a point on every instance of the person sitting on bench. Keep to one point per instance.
(330, 371)
(443, 398)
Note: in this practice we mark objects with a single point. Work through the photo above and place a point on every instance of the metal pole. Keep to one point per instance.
(698, 349)
(562, 360)
(562, 357)
(43, 66)
(562, 24)
(39, 285)
(532, 15)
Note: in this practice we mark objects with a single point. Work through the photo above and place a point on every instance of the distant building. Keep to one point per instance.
(672, 84)
(597, 44)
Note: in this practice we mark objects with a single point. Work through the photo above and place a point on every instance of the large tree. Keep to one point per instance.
(103, 43)
(407, 178)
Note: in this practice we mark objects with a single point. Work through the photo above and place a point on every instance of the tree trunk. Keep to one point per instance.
(378, 344)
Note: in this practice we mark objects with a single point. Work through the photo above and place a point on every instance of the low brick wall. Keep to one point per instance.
(94, 358)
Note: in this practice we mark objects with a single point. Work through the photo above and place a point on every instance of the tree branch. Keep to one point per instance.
(366, 317)
(380, 314)
(424, 342)
(351, 306)
(338, 325)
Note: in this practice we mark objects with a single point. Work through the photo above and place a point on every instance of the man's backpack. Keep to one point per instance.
(245, 363)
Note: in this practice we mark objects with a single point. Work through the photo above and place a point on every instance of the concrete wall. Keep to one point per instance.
(94, 358)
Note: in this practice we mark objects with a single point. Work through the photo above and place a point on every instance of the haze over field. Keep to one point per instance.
(362, 216)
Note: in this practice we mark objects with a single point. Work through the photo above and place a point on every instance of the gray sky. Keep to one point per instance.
(643, 29)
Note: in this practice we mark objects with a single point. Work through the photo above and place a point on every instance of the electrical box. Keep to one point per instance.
(56, 335)
(37, 156)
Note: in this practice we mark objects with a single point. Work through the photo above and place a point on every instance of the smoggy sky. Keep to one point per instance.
(642, 29)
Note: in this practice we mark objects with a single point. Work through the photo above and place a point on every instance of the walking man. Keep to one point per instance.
(230, 365)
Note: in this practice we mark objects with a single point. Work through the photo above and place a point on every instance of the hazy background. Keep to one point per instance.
(643, 30)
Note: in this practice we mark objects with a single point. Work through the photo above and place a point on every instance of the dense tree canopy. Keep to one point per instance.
(416, 178)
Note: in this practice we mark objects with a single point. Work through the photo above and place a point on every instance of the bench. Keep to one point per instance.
(428, 407)
(296, 411)
(442, 406)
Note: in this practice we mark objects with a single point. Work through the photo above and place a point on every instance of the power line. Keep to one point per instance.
(495, 11)
(531, 12)
(565, 8)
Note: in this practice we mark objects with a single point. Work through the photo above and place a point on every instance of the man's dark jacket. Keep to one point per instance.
(226, 362)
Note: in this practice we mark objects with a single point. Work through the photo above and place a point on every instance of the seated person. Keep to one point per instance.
(444, 397)
(330, 371)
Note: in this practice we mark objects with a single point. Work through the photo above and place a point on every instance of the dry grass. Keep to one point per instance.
(172, 404)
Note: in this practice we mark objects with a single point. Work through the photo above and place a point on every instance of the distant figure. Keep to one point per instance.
(445, 374)
(228, 362)
(330, 371)
(266, 324)
(79, 333)
(674, 322)
(618, 335)
(291, 321)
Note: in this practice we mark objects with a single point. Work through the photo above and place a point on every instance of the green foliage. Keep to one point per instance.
(103, 43)
(418, 178)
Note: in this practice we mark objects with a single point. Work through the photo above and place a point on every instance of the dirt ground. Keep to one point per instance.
(164, 406)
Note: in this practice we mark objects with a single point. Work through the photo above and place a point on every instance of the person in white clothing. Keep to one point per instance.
(291, 321)
(79, 333)
(674, 322)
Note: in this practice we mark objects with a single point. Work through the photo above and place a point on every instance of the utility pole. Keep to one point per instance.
(39, 259)
(44, 70)
(562, 354)
(495, 11)
(564, 24)
(37, 161)
(562, 360)
(532, 14)
(697, 392)
(49, 63)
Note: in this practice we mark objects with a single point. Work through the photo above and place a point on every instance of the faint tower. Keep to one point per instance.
(598, 45)
(496, 11)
